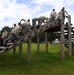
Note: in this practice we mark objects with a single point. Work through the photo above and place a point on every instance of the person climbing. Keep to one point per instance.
(53, 15)
(4, 36)
(25, 25)
(15, 34)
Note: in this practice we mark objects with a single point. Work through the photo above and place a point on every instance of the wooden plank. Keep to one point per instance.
(3, 48)
(10, 43)
(20, 49)
(46, 40)
(38, 43)
(62, 36)
(29, 51)
(2, 51)
(69, 36)
(11, 46)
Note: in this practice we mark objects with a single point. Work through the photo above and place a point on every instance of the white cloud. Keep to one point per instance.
(14, 12)
(53, 3)
(69, 2)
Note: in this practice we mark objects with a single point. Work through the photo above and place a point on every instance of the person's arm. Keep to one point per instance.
(66, 15)
(22, 20)
(2, 35)
(21, 30)
(50, 14)
(66, 12)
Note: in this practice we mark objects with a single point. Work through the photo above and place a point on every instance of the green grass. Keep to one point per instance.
(42, 63)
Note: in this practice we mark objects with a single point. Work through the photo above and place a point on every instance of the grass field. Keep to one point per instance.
(42, 63)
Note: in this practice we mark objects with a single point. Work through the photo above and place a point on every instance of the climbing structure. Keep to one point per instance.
(50, 26)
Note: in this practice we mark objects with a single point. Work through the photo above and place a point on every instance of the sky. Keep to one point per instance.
(12, 11)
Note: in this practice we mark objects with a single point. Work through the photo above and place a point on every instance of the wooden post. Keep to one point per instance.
(20, 49)
(72, 49)
(46, 41)
(62, 34)
(38, 43)
(14, 50)
(62, 41)
(29, 50)
(69, 36)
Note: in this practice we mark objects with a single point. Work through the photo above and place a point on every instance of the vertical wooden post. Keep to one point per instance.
(46, 41)
(20, 49)
(29, 50)
(38, 43)
(62, 41)
(62, 34)
(72, 49)
(69, 36)
(14, 50)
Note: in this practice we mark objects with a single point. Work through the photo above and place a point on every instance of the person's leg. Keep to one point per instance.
(10, 37)
(33, 22)
(6, 42)
(1, 41)
(16, 35)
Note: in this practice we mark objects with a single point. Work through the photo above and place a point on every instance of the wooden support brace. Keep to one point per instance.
(29, 50)
(46, 40)
(62, 38)
(69, 36)
(20, 49)
(38, 43)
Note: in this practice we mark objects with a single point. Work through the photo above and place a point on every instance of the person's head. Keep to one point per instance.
(4, 30)
(67, 23)
(53, 9)
(28, 20)
(14, 25)
(63, 8)
(19, 24)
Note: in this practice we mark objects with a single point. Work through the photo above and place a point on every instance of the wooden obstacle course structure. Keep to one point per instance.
(52, 26)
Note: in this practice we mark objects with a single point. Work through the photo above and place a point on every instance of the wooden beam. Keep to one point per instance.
(20, 49)
(69, 36)
(46, 41)
(29, 50)
(38, 43)
(72, 48)
(62, 35)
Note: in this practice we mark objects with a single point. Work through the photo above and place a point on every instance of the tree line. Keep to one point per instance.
(51, 35)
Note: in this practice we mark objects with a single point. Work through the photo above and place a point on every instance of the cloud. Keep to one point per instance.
(69, 2)
(14, 12)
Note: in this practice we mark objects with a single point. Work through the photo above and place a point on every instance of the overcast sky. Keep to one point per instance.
(12, 11)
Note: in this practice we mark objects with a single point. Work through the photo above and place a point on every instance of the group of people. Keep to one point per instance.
(58, 16)
(25, 27)
(16, 32)
(39, 21)
(53, 17)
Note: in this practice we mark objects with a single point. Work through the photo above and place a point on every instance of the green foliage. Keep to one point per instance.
(7, 28)
(51, 37)
(42, 63)
(41, 37)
